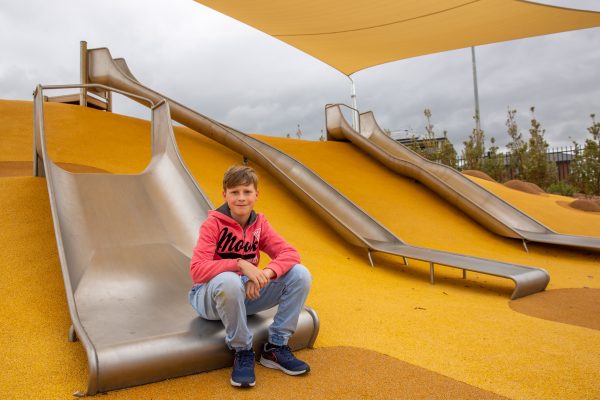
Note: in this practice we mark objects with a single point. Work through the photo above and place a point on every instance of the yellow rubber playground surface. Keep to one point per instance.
(385, 331)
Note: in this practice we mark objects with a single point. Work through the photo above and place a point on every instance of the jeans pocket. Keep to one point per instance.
(193, 291)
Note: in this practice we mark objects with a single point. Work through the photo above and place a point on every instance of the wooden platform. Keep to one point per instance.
(92, 101)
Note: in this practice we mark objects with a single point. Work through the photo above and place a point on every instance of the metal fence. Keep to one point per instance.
(562, 156)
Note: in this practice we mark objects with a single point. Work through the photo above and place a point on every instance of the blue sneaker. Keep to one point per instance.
(242, 374)
(281, 357)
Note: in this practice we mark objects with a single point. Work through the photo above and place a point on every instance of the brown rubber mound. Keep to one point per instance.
(526, 187)
(570, 306)
(341, 373)
(586, 205)
(478, 174)
(25, 168)
(349, 372)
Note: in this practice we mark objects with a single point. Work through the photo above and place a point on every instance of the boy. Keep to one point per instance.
(229, 286)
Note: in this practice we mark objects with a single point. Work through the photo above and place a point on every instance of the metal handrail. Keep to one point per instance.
(94, 85)
(40, 88)
(355, 112)
(340, 104)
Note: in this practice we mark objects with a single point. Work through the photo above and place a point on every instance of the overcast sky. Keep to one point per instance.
(257, 84)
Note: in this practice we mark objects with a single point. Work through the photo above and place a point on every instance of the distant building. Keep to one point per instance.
(425, 144)
(563, 160)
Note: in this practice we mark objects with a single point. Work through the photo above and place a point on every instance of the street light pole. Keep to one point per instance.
(476, 90)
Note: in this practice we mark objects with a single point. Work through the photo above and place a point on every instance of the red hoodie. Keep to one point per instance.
(222, 241)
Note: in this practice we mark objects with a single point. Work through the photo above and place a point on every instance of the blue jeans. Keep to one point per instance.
(224, 298)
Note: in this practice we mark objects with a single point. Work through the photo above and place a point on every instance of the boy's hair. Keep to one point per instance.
(239, 175)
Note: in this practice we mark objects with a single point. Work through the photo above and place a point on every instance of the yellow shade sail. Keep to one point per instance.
(357, 34)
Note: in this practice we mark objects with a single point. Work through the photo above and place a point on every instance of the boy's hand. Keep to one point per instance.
(255, 275)
(252, 290)
(270, 274)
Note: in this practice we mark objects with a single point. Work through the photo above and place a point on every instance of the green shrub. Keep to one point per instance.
(562, 188)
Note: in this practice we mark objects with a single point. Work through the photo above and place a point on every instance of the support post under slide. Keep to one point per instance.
(370, 258)
(431, 273)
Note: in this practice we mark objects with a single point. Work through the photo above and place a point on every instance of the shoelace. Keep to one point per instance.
(245, 358)
(284, 353)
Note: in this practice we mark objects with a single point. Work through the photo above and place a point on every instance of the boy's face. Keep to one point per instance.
(240, 200)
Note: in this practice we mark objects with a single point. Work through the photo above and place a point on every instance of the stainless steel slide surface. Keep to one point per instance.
(483, 206)
(125, 242)
(352, 223)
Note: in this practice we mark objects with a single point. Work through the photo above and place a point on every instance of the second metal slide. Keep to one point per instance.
(480, 204)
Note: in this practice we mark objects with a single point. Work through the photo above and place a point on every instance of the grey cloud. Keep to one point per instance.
(256, 83)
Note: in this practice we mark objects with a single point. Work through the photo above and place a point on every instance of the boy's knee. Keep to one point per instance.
(301, 275)
(230, 286)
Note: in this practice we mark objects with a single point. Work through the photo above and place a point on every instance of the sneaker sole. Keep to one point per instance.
(244, 385)
(272, 364)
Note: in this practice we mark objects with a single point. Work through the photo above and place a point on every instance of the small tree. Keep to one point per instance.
(415, 146)
(474, 150)
(516, 146)
(585, 168)
(447, 154)
(538, 169)
(440, 151)
(425, 147)
(493, 164)
(434, 150)
(430, 142)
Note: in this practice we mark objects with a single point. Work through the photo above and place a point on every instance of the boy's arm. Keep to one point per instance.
(203, 266)
(283, 255)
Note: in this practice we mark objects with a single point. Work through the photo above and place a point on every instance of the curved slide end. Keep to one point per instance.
(369, 125)
(122, 65)
(335, 123)
(531, 282)
(316, 326)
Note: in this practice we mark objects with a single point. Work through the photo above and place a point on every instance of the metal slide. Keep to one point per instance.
(125, 242)
(483, 206)
(352, 223)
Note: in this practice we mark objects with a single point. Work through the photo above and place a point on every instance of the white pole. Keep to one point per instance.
(354, 106)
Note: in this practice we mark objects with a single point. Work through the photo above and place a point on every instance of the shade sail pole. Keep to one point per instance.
(354, 106)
